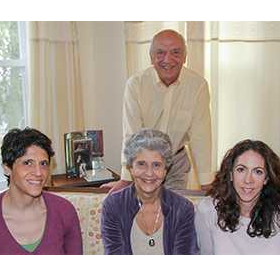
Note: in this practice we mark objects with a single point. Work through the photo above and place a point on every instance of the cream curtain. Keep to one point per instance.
(55, 89)
(241, 61)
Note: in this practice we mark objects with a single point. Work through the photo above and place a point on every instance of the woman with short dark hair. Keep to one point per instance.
(33, 221)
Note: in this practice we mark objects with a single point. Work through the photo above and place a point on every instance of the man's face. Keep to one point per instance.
(168, 56)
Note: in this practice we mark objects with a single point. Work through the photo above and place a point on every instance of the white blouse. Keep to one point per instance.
(213, 240)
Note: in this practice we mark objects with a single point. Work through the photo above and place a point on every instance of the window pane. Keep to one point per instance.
(12, 88)
(9, 40)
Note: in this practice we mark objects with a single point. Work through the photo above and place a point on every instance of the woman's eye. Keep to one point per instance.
(240, 169)
(140, 164)
(27, 162)
(45, 163)
(259, 172)
(157, 165)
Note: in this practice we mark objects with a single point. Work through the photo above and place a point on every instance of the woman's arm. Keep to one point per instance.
(111, 228)
(185, 242)
(73, 238)
(202, 224)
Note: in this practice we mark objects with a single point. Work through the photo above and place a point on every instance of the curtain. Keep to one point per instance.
(55, 83)
(241, 61)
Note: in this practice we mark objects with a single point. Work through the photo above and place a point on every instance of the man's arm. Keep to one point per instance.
(200, 136)
(116, 185)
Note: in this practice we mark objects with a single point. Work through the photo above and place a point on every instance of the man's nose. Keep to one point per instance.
(167, 57)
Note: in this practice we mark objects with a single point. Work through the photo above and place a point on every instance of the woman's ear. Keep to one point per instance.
(265, 181)
(7, 169)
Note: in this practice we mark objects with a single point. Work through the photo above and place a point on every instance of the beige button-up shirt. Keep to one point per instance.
(181, 110)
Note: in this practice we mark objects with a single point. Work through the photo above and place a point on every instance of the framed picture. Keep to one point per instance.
(82, 151)
(97, 140)
(81, 147)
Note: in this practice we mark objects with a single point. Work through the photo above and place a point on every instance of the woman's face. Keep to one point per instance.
(249, 177)
(30, 172)
(148, 171)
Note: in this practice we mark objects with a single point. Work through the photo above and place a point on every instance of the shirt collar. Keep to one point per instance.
(160, 83)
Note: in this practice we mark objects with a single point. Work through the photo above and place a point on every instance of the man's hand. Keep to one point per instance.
(206, 187)
(116, 185)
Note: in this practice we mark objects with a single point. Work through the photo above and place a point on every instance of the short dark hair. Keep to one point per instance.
(266, 213)
(16, 142)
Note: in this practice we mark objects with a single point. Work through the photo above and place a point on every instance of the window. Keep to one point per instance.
(13, 77)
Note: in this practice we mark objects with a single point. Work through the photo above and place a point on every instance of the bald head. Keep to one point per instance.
(168, 55)
(171, 34)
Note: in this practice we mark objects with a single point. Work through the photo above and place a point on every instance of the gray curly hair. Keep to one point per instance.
(149, 139)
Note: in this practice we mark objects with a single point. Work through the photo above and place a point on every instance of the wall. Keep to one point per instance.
(103, 70)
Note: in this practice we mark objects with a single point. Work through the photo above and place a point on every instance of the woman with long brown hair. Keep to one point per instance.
(241, 213)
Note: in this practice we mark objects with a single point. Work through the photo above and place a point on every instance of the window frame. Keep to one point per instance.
(22, 62)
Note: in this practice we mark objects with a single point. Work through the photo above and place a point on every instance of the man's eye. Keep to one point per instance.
(176, 52)
(160, 52)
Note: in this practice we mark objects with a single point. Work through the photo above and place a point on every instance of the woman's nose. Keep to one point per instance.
(149, 170)
(249, 177)
(38, 169)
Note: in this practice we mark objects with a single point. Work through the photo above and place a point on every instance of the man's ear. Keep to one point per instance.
(7, 169)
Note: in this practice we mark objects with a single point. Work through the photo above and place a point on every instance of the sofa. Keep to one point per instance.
(88, 206)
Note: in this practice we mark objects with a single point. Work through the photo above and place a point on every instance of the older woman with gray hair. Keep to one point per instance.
(146, 218)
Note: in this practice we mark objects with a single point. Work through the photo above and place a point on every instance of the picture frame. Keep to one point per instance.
(81, 147)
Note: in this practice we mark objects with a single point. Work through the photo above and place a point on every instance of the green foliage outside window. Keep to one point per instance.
(12, 77)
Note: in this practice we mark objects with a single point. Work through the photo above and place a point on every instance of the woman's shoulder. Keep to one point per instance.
(176, 199)
(119, 197)
(205, 205)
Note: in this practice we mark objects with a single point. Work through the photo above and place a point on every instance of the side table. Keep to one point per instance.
(60, 183)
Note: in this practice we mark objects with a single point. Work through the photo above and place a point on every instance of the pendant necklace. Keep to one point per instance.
(151, 241)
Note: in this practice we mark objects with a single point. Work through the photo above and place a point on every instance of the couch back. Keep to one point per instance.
(88, 207)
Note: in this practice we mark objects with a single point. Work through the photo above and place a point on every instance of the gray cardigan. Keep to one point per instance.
(120, 208)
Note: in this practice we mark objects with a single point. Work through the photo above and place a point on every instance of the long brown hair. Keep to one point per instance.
(265, 214)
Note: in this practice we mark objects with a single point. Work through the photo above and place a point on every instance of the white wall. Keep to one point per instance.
(103, 70)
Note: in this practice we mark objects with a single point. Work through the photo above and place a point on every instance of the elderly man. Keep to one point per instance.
(171, 98)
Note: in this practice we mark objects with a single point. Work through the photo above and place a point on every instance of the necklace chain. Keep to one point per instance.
(151, 237)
